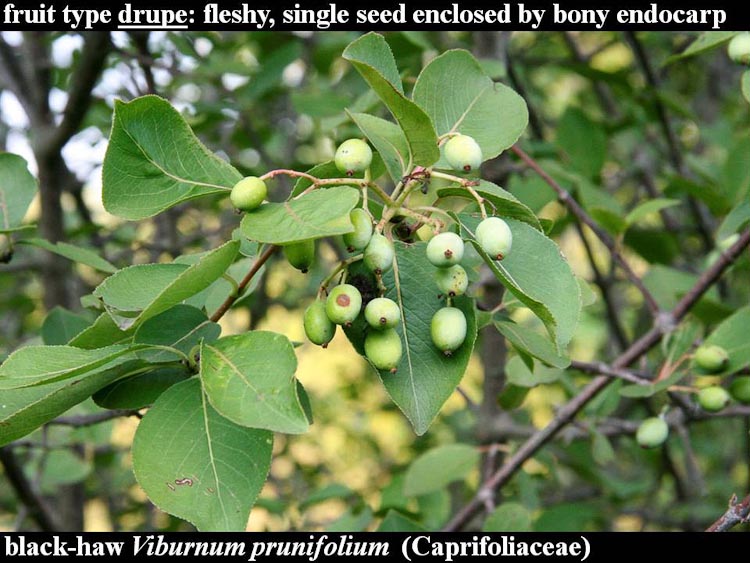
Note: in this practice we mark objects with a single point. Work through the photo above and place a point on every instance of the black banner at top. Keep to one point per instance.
(317, 15)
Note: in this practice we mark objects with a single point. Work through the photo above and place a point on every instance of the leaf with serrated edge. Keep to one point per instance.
(197, 465)
(249, 379)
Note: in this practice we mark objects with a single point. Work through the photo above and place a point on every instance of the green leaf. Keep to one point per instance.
(601, 449)
(735, 177)
(519, 374)
(249, 379)
(372, 58)
(532, 343)
(519, 272)
(182, 327)
(103, 332)
(705, 42)
(460, 98)
(731, 335)
(438, 467)
(321, 213)
(75, 253)
(197, 465)
(390, 142)
(508, 517)
(397, 522)
(61, 325)
(140, 292)
(24, 410)
(583, 140)
(647, 208)
(17, 189)
(736, 220)
(141, 390)
(425, 377)
(33, 365)
(501, 202)
(352, 521)
(57, 467)
(155, 161)
(745, 85)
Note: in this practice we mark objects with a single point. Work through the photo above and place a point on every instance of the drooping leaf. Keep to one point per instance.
(75, 253)
(460, 98)
(704, 42)
(140, 292)
(250, 380)
(425, 377)
(197, 465)
(155, 161)
(321, 213)
(17, 189)
(372, 58)
(438, 467)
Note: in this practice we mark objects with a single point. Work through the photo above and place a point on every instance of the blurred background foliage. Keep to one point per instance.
(608, 118)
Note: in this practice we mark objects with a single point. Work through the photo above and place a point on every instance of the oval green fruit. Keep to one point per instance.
(343, 304)
(301, 255)
(652, 432)
(383, 348)
(713, 399)
(318, 327)
(248, 193)
(360, 237)
(382, 313)
(452, 281)
(445, 250)
(378, 256)
(495, 237)
(353, 156)
(739, 48)
(740, 389)
(448, 329)
(463, 153)
(710, 358)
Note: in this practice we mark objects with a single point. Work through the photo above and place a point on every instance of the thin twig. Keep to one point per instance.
(84, 420)
(568, 200)
(229, 301)
(737, 513)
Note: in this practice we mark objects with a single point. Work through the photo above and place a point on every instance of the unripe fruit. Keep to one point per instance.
(352, 156)
(360, 237)
(713, 399)
(652, 432)
(382, 313)
(739, 48)
(463, 153)
(300, 254)
(445, 249)
(494, 236)
(318, 327)
(378, 256)
(448, 329)
(343, 304)
(710, 358)
(452, 281)
(383, 348)
(740, 390)
(248, 193)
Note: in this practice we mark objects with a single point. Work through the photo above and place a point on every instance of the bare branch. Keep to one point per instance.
(92, 419)
(737, 513)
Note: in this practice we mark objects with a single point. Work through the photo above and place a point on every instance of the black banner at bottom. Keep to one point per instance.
(322, 546)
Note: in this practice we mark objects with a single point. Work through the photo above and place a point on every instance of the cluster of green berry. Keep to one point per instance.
(709, 359)
(445, 250)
